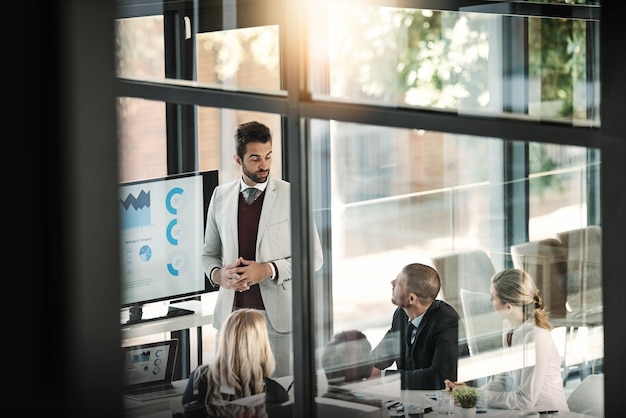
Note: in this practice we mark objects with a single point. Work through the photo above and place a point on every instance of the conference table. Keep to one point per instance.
(385, 388)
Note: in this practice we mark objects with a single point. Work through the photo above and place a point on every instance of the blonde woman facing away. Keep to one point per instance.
(537, 387)
(243, 365)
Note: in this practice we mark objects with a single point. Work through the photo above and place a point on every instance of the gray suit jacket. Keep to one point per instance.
(221, 247)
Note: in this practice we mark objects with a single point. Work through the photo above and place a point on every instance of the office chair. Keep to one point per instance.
(583, 251)
(546, 262)
(588, 397)
(483, 326)
(468, 269)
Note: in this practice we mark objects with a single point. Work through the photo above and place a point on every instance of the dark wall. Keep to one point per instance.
(613, 177)
(69, 340)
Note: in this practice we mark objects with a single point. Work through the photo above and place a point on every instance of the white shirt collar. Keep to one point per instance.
(243, 186)
(418, 320)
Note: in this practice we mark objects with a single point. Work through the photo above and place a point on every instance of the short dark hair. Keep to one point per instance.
(347, 357)
(422, 280)
(251, 132)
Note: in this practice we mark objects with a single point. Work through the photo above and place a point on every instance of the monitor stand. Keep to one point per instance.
(136, 314)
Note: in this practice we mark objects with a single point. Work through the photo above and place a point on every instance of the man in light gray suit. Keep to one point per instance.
(247, 244)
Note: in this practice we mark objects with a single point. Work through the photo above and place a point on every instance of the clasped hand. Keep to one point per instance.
(242, 274)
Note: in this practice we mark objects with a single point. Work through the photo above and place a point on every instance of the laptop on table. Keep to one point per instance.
(149, 370)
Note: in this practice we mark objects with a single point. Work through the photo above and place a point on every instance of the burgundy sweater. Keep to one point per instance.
(249, 216)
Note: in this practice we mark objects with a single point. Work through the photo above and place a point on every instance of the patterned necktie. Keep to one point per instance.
(409, 334)
(250, 194)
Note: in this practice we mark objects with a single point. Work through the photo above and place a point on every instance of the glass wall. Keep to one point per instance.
(473, 60)
(403, 196)
(431, 136)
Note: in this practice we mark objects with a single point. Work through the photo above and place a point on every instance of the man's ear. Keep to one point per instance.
(237, 159)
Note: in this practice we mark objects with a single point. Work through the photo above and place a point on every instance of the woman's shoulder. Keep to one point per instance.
(537, 335)
(193, 397)
(275, 392)
(542, 332)
(200, 372)
(196, 384)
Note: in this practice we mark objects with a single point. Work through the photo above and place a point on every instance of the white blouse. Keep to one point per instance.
(537, 387)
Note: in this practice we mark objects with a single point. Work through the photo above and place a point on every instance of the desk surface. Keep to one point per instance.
(157, 408)
(385, 388)
(388, 388)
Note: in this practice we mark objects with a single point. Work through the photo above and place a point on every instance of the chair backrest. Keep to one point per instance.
(483, 326)
(583, 243)
(545, 261)
(583, 250)
(469, 269)
(588, 397)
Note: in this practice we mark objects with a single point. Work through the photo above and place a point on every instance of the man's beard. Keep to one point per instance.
(254, 177)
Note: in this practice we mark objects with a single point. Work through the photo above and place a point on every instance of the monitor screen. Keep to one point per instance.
(161, 237)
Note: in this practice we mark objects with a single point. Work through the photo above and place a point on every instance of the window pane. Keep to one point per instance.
(240, 59)
(140, 47)
(403, 196)
(236, 59)
(470, 63)
(141, 139)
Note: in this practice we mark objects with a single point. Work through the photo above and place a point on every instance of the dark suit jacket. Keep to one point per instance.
(433, 356)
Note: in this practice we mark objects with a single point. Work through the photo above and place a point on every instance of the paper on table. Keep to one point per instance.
(383, 388)
(388, 388)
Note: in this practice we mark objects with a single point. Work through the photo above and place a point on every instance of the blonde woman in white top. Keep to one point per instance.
(537, 385)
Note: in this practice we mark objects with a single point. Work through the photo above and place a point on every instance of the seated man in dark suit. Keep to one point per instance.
(423, 339)
(347, 359)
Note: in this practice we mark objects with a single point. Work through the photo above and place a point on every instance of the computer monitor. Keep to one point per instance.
(162, 223)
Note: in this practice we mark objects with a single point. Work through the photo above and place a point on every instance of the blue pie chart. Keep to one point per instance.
(145, 253)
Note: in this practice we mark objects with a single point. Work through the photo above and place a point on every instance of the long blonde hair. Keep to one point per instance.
(244, 358)
(517, 287)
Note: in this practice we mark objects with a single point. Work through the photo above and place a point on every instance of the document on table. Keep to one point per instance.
(388, 388)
